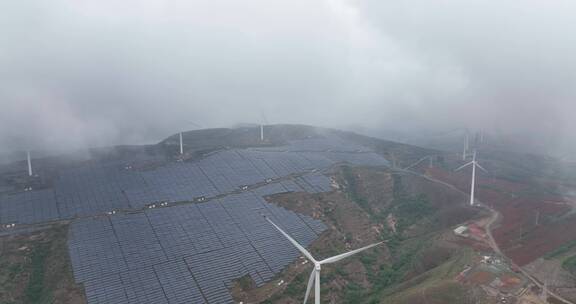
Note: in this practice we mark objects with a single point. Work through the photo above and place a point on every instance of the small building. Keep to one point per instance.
(460, 230)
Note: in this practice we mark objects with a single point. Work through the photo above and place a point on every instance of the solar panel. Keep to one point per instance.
(29, 207)
(114, 287)
(178, 284)
(102, 187)
(170, 255)
(206, 245)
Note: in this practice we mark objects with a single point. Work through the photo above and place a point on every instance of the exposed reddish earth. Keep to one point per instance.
(480, 278)
(530, 226)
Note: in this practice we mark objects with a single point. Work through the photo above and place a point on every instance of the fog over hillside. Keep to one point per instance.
(93, 73)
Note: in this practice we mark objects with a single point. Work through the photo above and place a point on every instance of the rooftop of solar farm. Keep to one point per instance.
(148, 229)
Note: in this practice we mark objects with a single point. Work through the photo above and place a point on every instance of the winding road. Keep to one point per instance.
(494, 217)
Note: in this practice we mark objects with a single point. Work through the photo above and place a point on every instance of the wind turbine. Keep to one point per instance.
(180, 135)
(315, 275)
(29, 163)
(474, 164)
(264, 121)
(181, 144)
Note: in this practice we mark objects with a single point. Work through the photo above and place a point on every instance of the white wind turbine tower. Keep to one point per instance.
(474, 164)
(264, 121)
(29, 163)
(181, 144)
(180, 135)
(315, 275)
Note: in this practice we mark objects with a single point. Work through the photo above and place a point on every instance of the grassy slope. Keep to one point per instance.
(436, 285)
(409, 272)
(412, 261)
(35, 268)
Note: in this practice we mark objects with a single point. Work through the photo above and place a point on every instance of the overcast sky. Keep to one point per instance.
(101, 72)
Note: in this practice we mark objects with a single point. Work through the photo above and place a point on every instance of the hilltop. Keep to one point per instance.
(147, 220)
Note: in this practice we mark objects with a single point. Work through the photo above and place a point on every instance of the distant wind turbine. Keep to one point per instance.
(474, 164)
(181, 144)
(180, 135)
(315, 275)
(29, 163)
(264, 121)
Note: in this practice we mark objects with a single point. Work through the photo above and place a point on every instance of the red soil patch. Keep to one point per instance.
(480, 278)
(521, 233)
(510, 281)
(476, 231)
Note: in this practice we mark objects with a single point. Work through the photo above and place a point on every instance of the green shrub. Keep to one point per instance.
(35, 290)
(570, 264)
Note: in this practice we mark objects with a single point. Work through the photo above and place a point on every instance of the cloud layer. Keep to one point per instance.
(81, 73)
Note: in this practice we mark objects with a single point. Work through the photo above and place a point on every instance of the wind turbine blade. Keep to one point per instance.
(347, 254)
(264, 119)
(194, 124)
(310, 284)
(300, 247)
(478, 165)
(463, 166)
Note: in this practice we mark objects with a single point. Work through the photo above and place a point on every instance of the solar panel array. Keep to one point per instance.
(91, 190)
(97, 189)
(187, 253)
(29, 207)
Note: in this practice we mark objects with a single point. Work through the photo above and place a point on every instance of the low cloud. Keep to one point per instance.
(92, 73)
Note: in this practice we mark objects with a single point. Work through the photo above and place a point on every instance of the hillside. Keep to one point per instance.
(145, 224)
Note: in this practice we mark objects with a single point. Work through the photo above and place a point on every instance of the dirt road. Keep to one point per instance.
(494, 217)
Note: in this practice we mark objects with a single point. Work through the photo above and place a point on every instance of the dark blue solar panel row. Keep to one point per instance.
(174, 182)
(217, 171)
(261, 165)
(29, 207)
(318, 182)
(312, 183)
(215, 271)
(94, 189)
(114, 287)
(178, 283)
(239, 170)
(138, 240)
(186, 253)
(291, 186)
(142, 286)
(97, 189)
(302, 183)
(168, 255)
(181, 230)
(95, 251)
